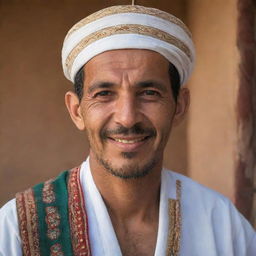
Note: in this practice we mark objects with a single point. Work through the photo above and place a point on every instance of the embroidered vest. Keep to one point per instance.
(52, 218)
(53, 221)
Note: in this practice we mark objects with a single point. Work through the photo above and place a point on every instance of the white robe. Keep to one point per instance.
(211, 225)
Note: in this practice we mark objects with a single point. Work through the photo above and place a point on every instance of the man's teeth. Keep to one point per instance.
(129, 141)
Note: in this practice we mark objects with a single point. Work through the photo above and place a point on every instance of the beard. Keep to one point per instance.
(131, 170)
(128, 171)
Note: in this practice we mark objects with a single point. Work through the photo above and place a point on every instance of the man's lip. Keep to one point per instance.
(129, 143)
(129, 139)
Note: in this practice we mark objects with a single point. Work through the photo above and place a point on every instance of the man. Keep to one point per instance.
(127, 64)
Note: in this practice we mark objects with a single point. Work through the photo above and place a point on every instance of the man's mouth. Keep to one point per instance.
(129, 141)
(128, 144)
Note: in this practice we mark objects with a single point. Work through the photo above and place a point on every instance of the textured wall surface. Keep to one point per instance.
(246, 110)
(212, 130)
(37, 137)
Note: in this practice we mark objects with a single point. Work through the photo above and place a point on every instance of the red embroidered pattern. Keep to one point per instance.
(56, 250)
(22, 223)
(77, 215)
(26, 209)
(53, 234)
(53, 221)
(48, 193)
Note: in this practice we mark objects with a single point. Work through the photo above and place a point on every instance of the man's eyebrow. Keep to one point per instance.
(99, 85)
(153, 84)
(144, 84)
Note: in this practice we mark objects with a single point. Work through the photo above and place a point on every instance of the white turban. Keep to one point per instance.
(128, 27)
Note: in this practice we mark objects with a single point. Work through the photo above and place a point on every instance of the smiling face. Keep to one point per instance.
(127, 110)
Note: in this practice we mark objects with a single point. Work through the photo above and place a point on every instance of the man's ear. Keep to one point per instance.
(182, 105)
(74, 109)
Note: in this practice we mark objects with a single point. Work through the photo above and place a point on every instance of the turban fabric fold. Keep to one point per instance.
(128, 27)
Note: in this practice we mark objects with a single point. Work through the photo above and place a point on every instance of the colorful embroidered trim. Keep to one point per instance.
(53, 221)
(48, 193)
(77, 215)
(125, 29)
(128, 9)
(56, 250)
(49, 216)
(173, 245)
(52, 205)
(44, 213)
(28, 223)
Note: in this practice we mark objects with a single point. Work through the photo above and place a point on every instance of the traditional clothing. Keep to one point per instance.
(129, 27)
(67, 215)
(193, 220)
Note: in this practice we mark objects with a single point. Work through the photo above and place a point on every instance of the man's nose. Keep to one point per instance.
(127, 112)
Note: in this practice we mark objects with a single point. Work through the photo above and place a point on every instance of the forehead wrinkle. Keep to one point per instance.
(125, 68)
(126, 81)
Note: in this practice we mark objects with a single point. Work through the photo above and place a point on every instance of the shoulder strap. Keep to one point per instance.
(49, 217)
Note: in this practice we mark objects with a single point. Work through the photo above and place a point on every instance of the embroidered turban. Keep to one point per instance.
(128, 27)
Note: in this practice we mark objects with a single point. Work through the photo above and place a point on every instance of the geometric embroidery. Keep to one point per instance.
(56, 250)
(127, 9)
(173, 245)
(52, 218)
(48, 193)
(124, 29)
(37, 202)
(77, 215)
(53, 221)
(53, 234)
(26, 209)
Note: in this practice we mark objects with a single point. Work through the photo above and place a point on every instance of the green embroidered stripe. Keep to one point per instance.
(41, 218)
(60, 203)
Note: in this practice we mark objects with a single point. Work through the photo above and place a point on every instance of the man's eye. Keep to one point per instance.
(103, 93)
(150, 93)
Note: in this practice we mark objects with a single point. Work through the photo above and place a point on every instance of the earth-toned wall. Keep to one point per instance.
(37, 138)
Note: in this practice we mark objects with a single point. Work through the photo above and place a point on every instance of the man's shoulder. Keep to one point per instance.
(196, 193)
(8, 210)
(208, 205)
(189, 183)
(206, 209)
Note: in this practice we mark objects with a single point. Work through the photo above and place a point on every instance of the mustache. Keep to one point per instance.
(137, 129)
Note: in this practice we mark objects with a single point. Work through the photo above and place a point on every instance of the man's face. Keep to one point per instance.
(127, 110)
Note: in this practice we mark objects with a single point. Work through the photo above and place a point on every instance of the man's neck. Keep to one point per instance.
(128, 198)
(133, 206)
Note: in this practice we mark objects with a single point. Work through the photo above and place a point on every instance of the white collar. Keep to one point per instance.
(103, 240)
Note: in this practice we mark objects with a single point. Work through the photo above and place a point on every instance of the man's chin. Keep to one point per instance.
(128, 170)
(129, 155)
